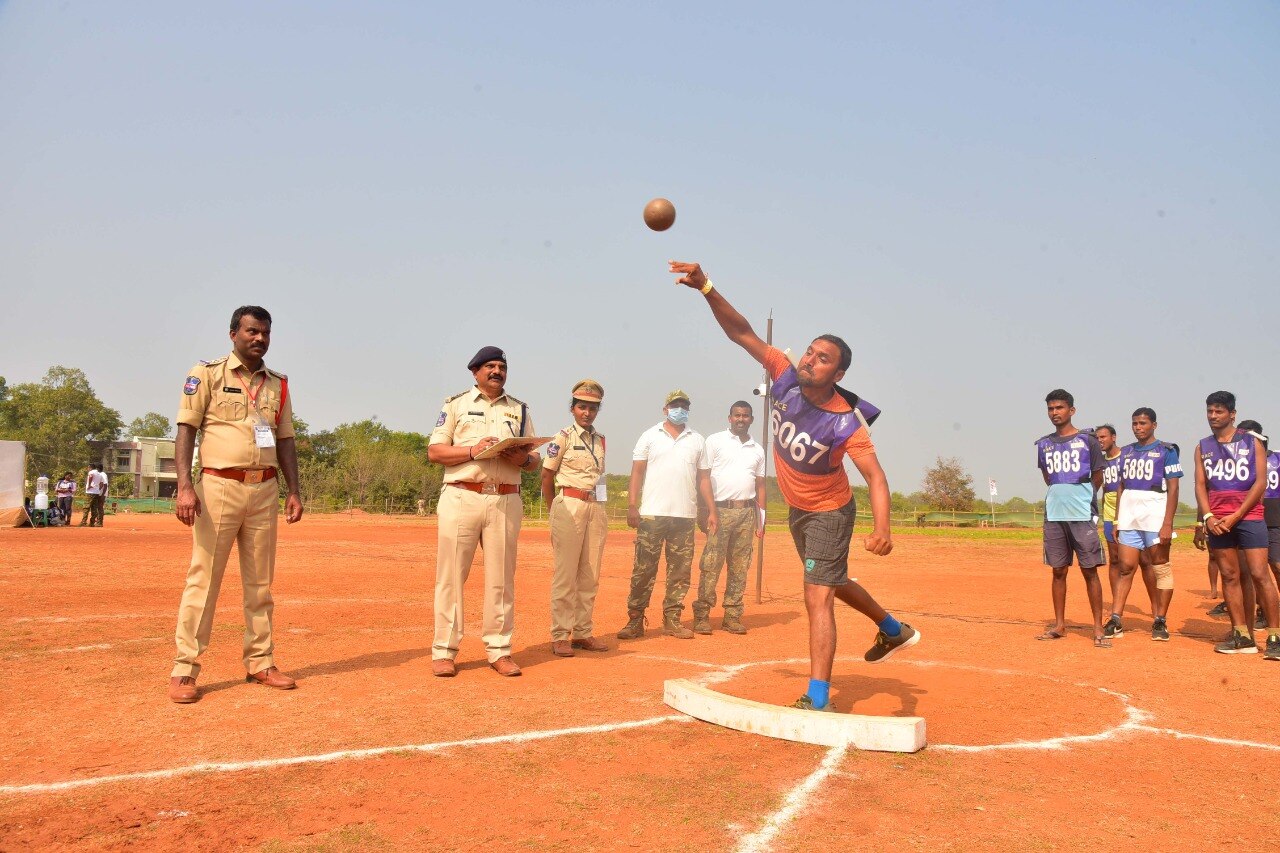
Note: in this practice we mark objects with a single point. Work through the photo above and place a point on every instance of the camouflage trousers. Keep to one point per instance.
(653, 533)
(732, 542)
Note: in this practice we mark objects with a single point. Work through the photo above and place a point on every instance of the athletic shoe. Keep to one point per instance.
(885, 646)
(1273, 649)
(804, 703)
(1237, 644)
(1160, 630)
(1220, 609)
(1260, 620)
(1113, 628)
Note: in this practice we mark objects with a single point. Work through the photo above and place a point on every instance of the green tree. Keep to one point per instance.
(947, 487)
(57, 417)
(150, 425)
(368, 464)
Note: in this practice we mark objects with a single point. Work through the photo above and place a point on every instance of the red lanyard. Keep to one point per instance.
(253, 395)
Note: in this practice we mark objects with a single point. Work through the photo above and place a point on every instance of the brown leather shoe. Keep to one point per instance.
(562, 648)
(505, 666)
(591, 644)
(444, 668)
(182, 689)
(272, 677)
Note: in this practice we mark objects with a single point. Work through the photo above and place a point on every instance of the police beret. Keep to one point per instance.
(485, 355)
(588, 390)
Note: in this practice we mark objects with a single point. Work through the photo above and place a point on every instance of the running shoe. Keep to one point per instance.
(1113, 628)
(1259, 620)
(1220, 609)
(1273, 649)
(804, 703)
(886, 647)
(1160, 631)
(1237, 644)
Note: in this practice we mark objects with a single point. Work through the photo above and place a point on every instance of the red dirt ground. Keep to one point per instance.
(86, 624)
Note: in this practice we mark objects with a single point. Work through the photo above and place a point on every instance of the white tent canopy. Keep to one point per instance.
(13, 463)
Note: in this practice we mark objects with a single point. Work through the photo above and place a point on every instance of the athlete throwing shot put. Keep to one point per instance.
(816, 423)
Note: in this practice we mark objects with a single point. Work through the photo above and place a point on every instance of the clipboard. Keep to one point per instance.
(529, 442)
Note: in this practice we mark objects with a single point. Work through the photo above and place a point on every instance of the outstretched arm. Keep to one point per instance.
(733, 323)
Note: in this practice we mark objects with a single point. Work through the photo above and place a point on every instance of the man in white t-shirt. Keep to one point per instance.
(668, 467)
(96, 488)
(736, 463)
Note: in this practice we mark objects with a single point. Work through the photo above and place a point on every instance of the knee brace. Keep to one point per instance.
(1164, 576)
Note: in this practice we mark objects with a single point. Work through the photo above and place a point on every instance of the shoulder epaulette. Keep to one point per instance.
(277, 374)
(514, 400)
(213, 362)
(454, 397)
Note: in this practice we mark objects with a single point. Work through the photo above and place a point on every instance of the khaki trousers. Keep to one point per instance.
(732, 544)
(244, 515)
(578, 530)
(468, 519)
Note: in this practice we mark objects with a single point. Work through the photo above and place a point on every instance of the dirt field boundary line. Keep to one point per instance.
(340, 755)
(795, 802)
(1222, 741)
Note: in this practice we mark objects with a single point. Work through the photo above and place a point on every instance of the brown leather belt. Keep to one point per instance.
(487, 488)
(244, 475)
(580, 494)
(735, 504)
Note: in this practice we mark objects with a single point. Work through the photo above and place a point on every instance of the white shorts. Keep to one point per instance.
(1141, 511)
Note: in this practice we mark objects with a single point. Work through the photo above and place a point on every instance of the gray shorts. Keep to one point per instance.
(1062, 539)
(822, 541)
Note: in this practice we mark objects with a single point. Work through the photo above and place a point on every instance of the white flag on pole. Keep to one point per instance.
(992, 484)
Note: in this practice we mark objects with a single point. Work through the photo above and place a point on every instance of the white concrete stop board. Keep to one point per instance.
(880, 734)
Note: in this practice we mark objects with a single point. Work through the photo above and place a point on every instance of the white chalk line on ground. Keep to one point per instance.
(1136, 719)
(797, 799)
(329, 757)
(795, 802)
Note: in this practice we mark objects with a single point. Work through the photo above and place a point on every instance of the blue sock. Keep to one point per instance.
(819, 692)
(891, 627)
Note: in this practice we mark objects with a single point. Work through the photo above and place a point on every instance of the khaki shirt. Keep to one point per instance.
(577, 457)
(216, 402)
(470, 416)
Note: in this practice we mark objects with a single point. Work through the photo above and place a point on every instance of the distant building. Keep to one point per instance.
(149, 463)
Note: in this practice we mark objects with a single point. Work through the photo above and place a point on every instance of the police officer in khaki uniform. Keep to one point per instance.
(245, 416)
(574, 468)
(479, 505)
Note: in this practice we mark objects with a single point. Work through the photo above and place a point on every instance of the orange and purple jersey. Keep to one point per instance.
(810, 442)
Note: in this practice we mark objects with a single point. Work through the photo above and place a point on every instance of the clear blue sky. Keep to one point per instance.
(988, 200)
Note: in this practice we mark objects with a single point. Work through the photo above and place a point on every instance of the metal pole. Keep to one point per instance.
(768, 413)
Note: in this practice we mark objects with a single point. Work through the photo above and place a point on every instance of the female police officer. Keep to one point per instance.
(573, 486)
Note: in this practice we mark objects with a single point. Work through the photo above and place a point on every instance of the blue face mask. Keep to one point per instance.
(678, 416)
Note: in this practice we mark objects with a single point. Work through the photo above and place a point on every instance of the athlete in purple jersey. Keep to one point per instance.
(821, 423)
(1230, 481)
(1250, 589)
(1146, 499)
(1071, 462)
(1106, 435)
(1271, 512)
